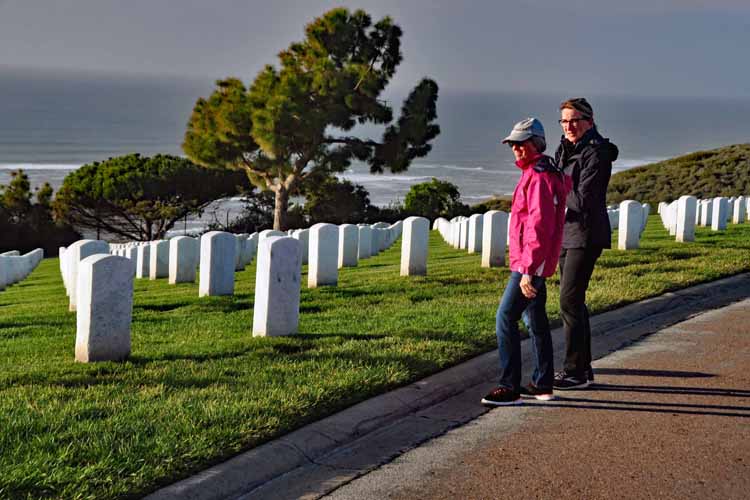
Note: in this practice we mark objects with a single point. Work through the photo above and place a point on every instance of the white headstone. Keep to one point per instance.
(475, 233)
(494, 234)
(614, 218)
(719, 210)
(463, 238)
(267, 233)
(277, 287)
(105, 308)
(686, 208)
(364, 246)
(455, 230)
(706, 212)
(239, 243)
(143, 260)
(323, 258)
(738, 215)
(4, 272)
(75, 254)
(183, 259)
(645, 209)
(252, 241)
(217, 264)
(132, 254)
(303, 236)
(247, 250)
(384, 238)
(348, 245)
(376, 241)
(414, 244)
(159, 259)
(672, 218)
(631, 219)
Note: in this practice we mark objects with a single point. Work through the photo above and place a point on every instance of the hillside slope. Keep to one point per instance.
(704, 174)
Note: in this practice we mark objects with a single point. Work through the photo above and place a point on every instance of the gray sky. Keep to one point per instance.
(633, 47)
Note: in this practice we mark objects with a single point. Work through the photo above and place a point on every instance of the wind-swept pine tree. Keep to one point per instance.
(292, 125)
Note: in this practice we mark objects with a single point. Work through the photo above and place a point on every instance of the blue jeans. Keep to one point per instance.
(512, 306)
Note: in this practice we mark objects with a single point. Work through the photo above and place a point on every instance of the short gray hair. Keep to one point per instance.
(539, 143)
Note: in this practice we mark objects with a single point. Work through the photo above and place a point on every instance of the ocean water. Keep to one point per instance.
(51, 124)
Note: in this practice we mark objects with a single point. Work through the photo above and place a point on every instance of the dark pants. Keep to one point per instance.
(576, 266)
(512, 306)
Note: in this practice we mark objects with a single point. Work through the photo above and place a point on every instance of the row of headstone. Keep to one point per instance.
(15, 267)
(179, 258)
(488, 233)
(103, 292)
(681, 216)
(325, 248)
(481, 233)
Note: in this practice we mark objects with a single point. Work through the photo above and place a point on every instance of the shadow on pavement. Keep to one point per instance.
(651, 373)
(662, 389)
(593, 404)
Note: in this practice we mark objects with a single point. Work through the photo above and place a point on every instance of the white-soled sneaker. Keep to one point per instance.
(502, 396)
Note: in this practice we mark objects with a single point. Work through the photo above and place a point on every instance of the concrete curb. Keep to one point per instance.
(322, 456)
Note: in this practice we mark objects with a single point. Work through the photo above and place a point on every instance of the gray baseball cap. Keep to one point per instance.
(524, 130)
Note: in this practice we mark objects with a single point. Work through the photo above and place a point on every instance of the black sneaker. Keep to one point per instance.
(590, 374)
(564, 381)
(502, 396)
(539, 393)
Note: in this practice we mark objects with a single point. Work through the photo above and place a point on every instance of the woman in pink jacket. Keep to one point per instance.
(534, 240)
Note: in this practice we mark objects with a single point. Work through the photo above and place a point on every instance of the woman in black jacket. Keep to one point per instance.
(587, 157)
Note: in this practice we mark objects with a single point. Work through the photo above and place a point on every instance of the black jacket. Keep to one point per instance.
(589, 163)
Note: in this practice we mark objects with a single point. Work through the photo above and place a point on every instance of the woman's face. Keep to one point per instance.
(574, 125)
(523, 151)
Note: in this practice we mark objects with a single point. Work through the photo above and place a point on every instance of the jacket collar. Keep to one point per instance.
(523, 165)
(590, 135)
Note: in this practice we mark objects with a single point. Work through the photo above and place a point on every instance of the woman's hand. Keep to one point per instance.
(527, 289)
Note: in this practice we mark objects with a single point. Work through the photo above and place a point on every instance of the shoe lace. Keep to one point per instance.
(499, 391)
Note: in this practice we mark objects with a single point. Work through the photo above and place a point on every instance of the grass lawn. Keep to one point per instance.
(199, 388)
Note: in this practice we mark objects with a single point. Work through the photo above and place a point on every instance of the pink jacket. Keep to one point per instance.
(537, 217)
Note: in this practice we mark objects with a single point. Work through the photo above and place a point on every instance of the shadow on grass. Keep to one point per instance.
(457, 281)
(162, 307)
(417, 297)
(678, 255)
(351, 293)
(39, 324)
(344, 336)
(226, 304)
(309, 309)
(612, 264)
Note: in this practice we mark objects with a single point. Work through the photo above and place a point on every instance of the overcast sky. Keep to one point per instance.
(630, 47)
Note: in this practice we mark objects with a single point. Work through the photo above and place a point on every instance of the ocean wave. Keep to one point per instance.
(446, 167)
(382, 179)
(483, 197)
(626, 163)
(38, 166)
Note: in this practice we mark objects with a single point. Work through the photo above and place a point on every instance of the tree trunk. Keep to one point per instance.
(280, 208)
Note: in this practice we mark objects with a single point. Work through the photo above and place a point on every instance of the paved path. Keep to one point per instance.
(668, 417)
(363, 452)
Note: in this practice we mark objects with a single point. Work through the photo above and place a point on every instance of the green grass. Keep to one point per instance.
(199, 388)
